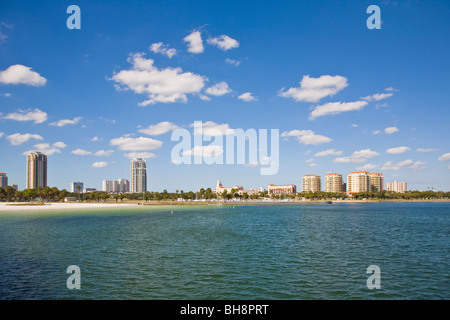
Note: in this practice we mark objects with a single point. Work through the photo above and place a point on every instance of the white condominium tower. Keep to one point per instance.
(334, 183)
(396, 186)
(36, 170)
(358, 181)
(311, 183)
(138, 176)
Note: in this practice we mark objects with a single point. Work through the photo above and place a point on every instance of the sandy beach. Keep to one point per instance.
(17, 206)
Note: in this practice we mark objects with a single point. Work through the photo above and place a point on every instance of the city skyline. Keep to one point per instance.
(343, 97)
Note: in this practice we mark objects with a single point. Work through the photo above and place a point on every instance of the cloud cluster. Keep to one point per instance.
(64, 122)
(218, 89)
(163, 49)
(406, 164)
(313, 89)
(329, 152)
(195, 42)
(333, 108)
(398, 150)
(223, 42)
(19, 138)
(161, 85)
(357, 156)
(247, 97)
(46, 148)
(307, 137)
(210, 128)
(35, 115)
(19, 74)
(127, 143)
(159, 128)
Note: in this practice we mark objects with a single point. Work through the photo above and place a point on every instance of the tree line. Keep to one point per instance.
(49, 194)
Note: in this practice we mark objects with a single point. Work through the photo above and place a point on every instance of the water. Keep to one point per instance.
(219, 252)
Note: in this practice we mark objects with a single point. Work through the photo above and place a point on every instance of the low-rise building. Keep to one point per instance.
(274, 189)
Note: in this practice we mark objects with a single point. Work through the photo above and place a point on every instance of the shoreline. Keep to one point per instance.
(26, 206)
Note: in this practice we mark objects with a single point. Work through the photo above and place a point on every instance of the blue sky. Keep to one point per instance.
(343, 97)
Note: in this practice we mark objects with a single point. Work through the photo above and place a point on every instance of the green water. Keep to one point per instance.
(220, 252)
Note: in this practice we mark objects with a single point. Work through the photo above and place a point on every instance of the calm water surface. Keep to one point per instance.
(316, 251)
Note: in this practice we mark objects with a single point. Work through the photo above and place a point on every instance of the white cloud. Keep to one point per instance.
(218, 89)
(99, 164)
(377, 96)
(18, 138)
(376, 132)
(19, 74)
(64, 122)
(223, 42)
(95, 139)
(333, 108)
(205, 151)
(45, 148)
(357, 156)
(167, 85)
(309, 160)
(195, 42)
(81, 152)
(36, 115)
(368, 167)
(313, 164)
(391, 130)
(307, 137)
(143, 155)
(210, 128)
(406, 164)
(7, 95)
(233, 62)
(103, 153)
(136, 144)
(1, 134)
(391, 89)
(398, 150)
(426, 150)
(247, 97)
(204, 97)
(162, 48)
(445, 157)
(159, 128)
(314, 89)
(355, 125)
(329, 152)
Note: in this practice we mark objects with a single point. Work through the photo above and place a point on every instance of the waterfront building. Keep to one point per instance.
(3, 180)
(281, 189)
(334, 183)
(138, 176)
(220, 189)
(121, 186)
(88, 190)
(358, 181)
(107, 185)
(376, 181)
(36, 170)
(396, 186)
(311, 183)
(76, 187)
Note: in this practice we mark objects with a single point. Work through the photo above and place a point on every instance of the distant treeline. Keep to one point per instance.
(54, 194)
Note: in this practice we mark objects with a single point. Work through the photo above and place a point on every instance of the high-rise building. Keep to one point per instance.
(121, 186)
(376, 181)
(281, 189)
(36, 170)
(396, 186)
(358, 181)
(138, 175)
(108, 185)
(311, 183)
(334, 183)
(3, 180)
(76, 187)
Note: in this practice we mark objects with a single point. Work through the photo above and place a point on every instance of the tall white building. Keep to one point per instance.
(396, 186)
(36, 170)
(138, 176)
(334, 183)
(311, 183)
(358, 181)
